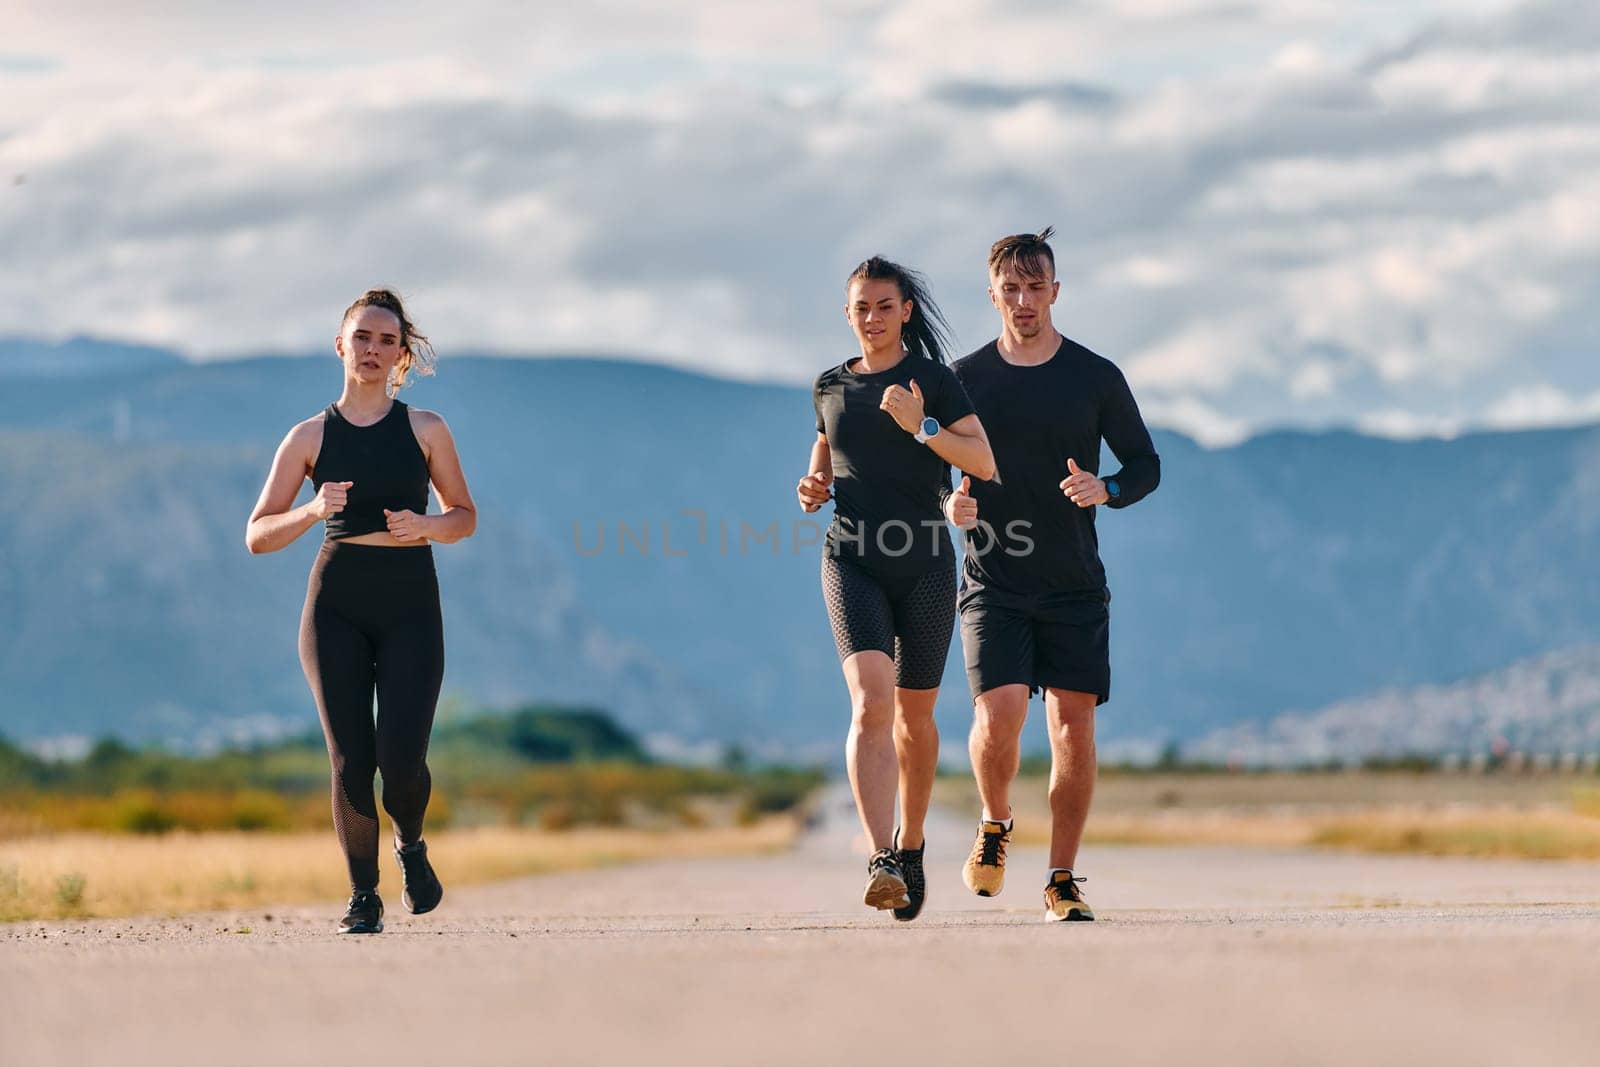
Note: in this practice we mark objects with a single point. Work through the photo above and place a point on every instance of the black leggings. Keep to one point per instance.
(372, 625)
(909, 619)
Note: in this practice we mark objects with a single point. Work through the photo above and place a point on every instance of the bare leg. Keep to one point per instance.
(870, 748)
(916, 743)
(1072, 770)
(995, 744)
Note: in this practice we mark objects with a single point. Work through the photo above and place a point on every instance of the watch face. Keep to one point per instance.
(930, 426)
(1112, 488)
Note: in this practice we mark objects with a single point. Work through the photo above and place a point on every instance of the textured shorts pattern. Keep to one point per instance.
(910, 619)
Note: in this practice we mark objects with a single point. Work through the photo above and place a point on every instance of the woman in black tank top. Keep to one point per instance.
(371, 628)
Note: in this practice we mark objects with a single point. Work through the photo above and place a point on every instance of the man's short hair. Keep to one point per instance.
(1028, 254)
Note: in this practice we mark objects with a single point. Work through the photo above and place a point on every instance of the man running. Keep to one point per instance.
(1034, 600)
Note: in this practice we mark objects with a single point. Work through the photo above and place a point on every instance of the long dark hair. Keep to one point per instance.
(926, 333)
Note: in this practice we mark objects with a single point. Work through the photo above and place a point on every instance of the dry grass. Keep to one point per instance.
(1185, 828)
(1443, 815)
(1319, 792)
(80, 875)
(151, 811)
(1551, 834)
(1586, 800)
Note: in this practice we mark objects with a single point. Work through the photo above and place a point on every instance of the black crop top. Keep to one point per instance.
(384, 464)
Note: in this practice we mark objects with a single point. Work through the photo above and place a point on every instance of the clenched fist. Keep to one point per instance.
(406, 525)
(330, 499)
(813, 490)
(906, 408)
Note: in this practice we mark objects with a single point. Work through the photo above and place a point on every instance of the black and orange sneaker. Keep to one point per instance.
(916, 883)
(364, 915)
(423, 891)
(985, 872)
(886, 884)
(1063, 903)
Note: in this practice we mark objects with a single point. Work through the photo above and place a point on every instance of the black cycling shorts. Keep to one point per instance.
(910, 619)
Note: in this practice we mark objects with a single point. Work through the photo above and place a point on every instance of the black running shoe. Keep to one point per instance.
(916, 884)
(423, 891)
(886, 885)
(365, 914)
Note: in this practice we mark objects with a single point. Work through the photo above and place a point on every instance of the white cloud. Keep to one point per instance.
(1303, 211)
(1199, 420)
(1204, 356)
(1543, 405)
(1146, 271)
(1391, 422)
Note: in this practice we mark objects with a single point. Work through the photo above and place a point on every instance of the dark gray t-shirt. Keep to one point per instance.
(886, 513)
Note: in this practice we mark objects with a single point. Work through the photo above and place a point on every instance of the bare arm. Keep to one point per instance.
(458, 516)
(813, 489)
(276, 522)
(965, 446)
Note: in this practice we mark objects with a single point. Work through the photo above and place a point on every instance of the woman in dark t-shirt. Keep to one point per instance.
(889, 425)
(371, 627)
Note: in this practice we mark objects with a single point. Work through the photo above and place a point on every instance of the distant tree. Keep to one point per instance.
(19, 768)
(541, 733)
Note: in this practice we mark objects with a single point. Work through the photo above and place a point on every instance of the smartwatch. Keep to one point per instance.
(1113, 490)
(930, 428)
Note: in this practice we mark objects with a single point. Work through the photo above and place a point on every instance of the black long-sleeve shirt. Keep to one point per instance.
(1030, 537)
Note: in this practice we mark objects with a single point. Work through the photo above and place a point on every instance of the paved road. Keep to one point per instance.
(1201, 956)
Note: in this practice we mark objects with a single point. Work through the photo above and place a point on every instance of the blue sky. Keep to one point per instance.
(1384, 215)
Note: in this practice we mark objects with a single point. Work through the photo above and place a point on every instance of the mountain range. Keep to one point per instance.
(639, 549)
(1546, 706)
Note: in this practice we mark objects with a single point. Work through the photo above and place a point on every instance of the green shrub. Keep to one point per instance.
(69, 892)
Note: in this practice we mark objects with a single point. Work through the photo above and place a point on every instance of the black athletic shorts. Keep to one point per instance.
(1041, 640)
(910, 619)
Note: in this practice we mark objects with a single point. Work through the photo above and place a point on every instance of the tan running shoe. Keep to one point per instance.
(985, 871)
(886, 884)
(1063, 903)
